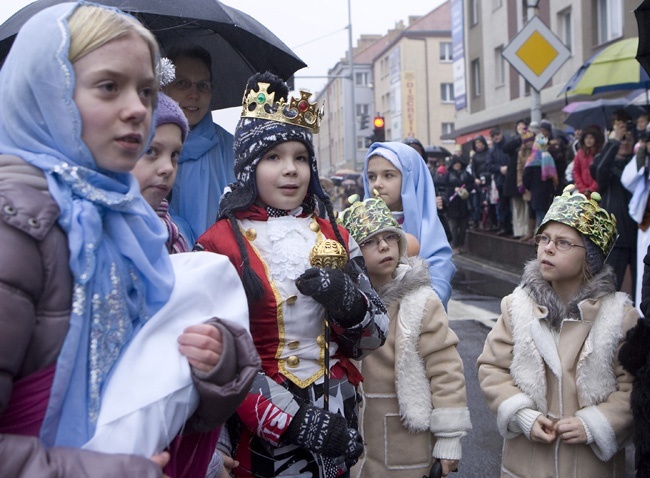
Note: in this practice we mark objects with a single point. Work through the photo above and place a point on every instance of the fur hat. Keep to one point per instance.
(597, 132)
(364, 219)
(254, 137)
(168, 112)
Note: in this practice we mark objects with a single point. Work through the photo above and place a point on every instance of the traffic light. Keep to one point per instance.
(379, 133)
(363, 122)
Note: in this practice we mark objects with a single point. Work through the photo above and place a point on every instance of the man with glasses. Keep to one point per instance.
(206, 165)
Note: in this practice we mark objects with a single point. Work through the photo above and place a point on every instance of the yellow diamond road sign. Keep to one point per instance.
(536, 53)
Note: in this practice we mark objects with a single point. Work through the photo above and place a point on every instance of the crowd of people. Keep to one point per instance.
(181, 302)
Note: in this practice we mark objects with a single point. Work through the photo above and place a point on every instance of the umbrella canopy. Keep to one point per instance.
(437, 152)
(642, 15)
(239, 45)
(639, 98)
(611, 69)
(598, 112)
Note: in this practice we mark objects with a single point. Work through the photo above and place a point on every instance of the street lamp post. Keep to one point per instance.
(351, 145)
(536, 100)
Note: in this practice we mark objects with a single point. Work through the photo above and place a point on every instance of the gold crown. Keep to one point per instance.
(299, 112)
(584, 215)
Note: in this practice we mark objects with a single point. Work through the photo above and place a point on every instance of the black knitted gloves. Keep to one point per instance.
(324, 433)
(335, 290)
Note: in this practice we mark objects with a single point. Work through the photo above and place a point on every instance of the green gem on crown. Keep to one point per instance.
(261, 98)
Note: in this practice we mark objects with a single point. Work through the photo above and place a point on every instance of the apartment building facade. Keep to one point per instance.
(494, 92)
(405, 76)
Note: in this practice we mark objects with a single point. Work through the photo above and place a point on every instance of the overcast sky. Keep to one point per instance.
(315, 30)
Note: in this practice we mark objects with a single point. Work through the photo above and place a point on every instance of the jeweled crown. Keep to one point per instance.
(575, 210)
(300, 112)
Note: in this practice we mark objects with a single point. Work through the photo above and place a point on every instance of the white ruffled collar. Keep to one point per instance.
(291, 242)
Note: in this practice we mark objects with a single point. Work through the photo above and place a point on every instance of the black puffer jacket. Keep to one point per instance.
(607, 169)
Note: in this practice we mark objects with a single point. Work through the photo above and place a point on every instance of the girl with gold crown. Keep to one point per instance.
(549, 368)
(293, 422)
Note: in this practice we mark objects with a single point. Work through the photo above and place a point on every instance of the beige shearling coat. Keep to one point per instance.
(572, 372)
(415, 405)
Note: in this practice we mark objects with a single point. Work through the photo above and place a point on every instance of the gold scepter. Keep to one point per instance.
(327, 253)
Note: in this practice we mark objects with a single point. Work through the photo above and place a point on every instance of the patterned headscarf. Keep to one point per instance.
(121, 271)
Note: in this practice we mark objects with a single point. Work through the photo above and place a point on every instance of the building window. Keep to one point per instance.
(564, 23)
(609, 15)
(361, 78)
(363, 142)
(499, 66)
(362, 109)
(447, 92)
(476, 78)
(473, 12)
(497, 4)
(445, 52)
(447, 128)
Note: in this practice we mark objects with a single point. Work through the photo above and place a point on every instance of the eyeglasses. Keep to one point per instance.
(561, 244)
(390, 239)
(184, 84)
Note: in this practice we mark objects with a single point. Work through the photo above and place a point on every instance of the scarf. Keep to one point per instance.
(120, 268)
(545, 161)
(176, 242)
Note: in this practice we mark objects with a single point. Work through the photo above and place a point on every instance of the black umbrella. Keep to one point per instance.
(642, 14)
(239, 45)
(598, 112)
(437, 152)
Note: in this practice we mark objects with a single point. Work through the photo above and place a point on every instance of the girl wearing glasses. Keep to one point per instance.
(415, 403)
(549, 367)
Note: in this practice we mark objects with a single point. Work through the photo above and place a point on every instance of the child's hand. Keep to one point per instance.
(324, 432)
(335, 291)
(202, 346)
(448, 466)
(228, 465)
(543, 430)
(161, 459)
(571, 431)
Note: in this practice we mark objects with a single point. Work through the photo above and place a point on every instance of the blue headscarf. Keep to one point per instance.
(121, 271)
(420, 211)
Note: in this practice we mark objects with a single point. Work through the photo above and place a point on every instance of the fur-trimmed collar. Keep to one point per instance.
(411, 274)
(541, 292)
(535, 347)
